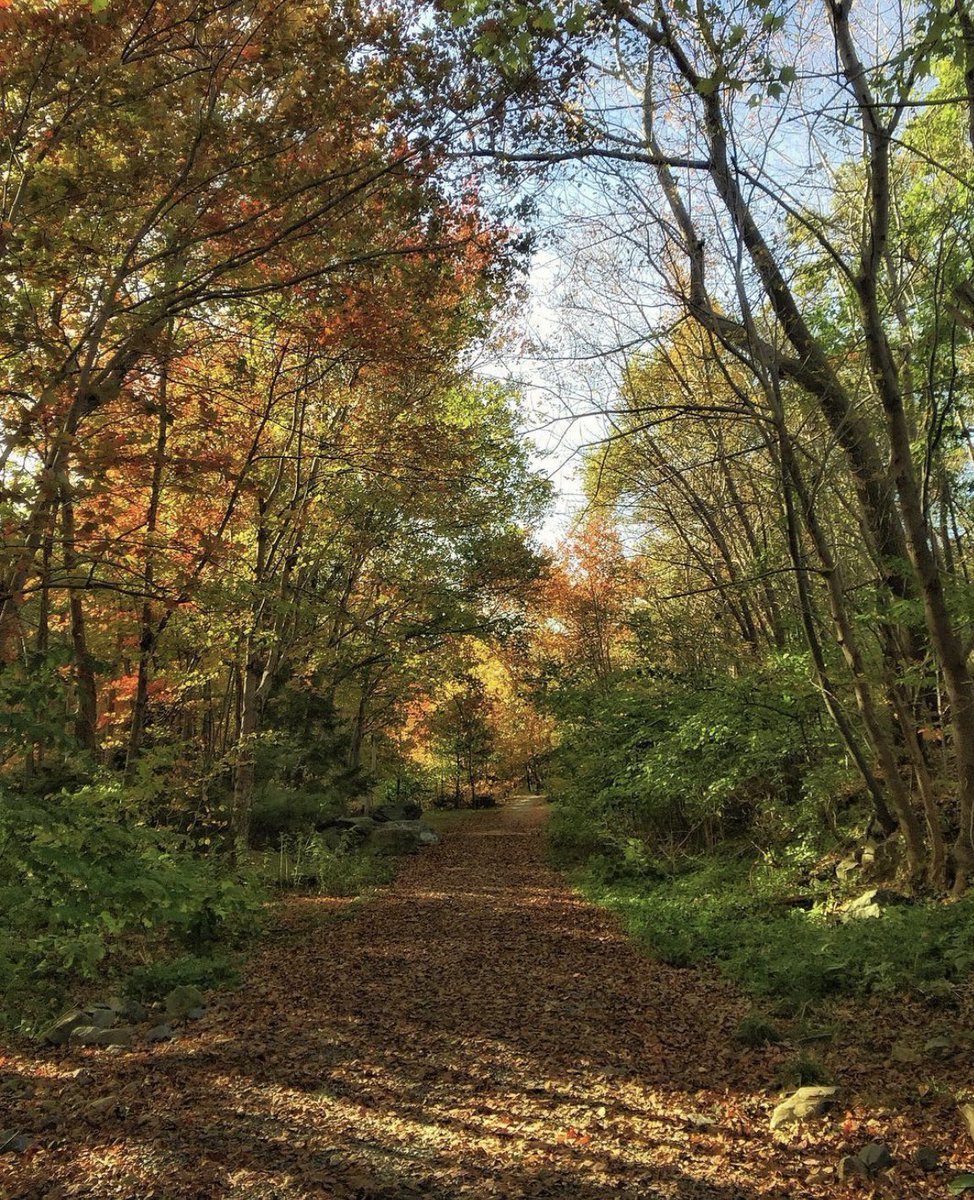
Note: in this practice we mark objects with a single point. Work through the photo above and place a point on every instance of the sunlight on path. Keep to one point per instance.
(476, 1030)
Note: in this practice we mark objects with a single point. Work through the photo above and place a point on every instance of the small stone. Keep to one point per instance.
(12, 1141)
(852, 1167)
(195, 1014)
(807, 1102)
(875, 1158)
(91, 1035)
(159, 1033)
(927, 1159)
(905, 1053)
(129, 1010)
(939, 1045)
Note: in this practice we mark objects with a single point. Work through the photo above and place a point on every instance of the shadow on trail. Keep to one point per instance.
(475, 1031)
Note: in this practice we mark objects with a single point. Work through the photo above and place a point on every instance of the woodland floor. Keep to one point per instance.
(475, 1030)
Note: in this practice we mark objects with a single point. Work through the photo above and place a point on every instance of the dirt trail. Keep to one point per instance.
(476, 1030)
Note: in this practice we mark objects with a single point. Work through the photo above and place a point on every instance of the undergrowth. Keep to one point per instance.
(91, 893)
(728, 909)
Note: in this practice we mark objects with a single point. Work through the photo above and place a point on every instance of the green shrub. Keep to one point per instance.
(280, 810)
(727, 909)
(155, 981)
(803, 1071)
(86, 886)
(694, 758)
(755, 1030)
(311, 863)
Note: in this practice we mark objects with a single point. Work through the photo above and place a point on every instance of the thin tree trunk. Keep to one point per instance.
(84, 671)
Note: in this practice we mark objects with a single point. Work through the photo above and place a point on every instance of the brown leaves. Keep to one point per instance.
(475, 1031)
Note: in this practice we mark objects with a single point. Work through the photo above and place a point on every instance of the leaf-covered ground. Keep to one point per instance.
(476, 1030)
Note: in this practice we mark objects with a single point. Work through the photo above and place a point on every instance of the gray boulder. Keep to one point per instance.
(851, 1166)
(345, 831)
(408, 810)
(402, 837)
(182, 1001)
(870, 904)
(875, 1157)
(128, 1009)
(802, 1105)
(159, 1033)
(58, 1033)
(102, 1016)
(927, 1158)
(12, 1141)
(395, 838)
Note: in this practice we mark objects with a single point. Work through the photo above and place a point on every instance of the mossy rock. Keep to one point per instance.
(182, 1001)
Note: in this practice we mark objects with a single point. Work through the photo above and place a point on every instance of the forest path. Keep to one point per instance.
(475, 1030)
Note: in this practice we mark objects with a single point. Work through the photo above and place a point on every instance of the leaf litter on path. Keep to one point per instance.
(476, 1030)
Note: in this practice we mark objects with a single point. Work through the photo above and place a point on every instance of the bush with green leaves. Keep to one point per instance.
(156, 980)
(279, 810)
(88, 890)
(687, 761)
(309, 862)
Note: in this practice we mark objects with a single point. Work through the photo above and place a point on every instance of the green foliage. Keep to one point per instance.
(310, 863)
(157, 980)
(755, 1030)
(411, 783)
(281, 811)
(729, 910)
(84, 883)
(677, 758)
(803, 1071)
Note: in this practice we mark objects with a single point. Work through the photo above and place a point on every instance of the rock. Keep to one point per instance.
(100, 1015)
(91, 1035)
(182, 1000)
(402, 837)
(927, 1159)
(58, 1033)
(195, 1014)
(408, 810)
(846, 869)
(852, 1167)
(940, 1046)
(802, 1105)
(363, 825)
(875, 1158)
(870, 904)
(12, 1141)
(159, 1033)
(129, 1010)
(394, 838)
(967, 1112)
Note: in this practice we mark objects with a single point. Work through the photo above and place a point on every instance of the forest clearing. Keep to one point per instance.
(410, 409)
